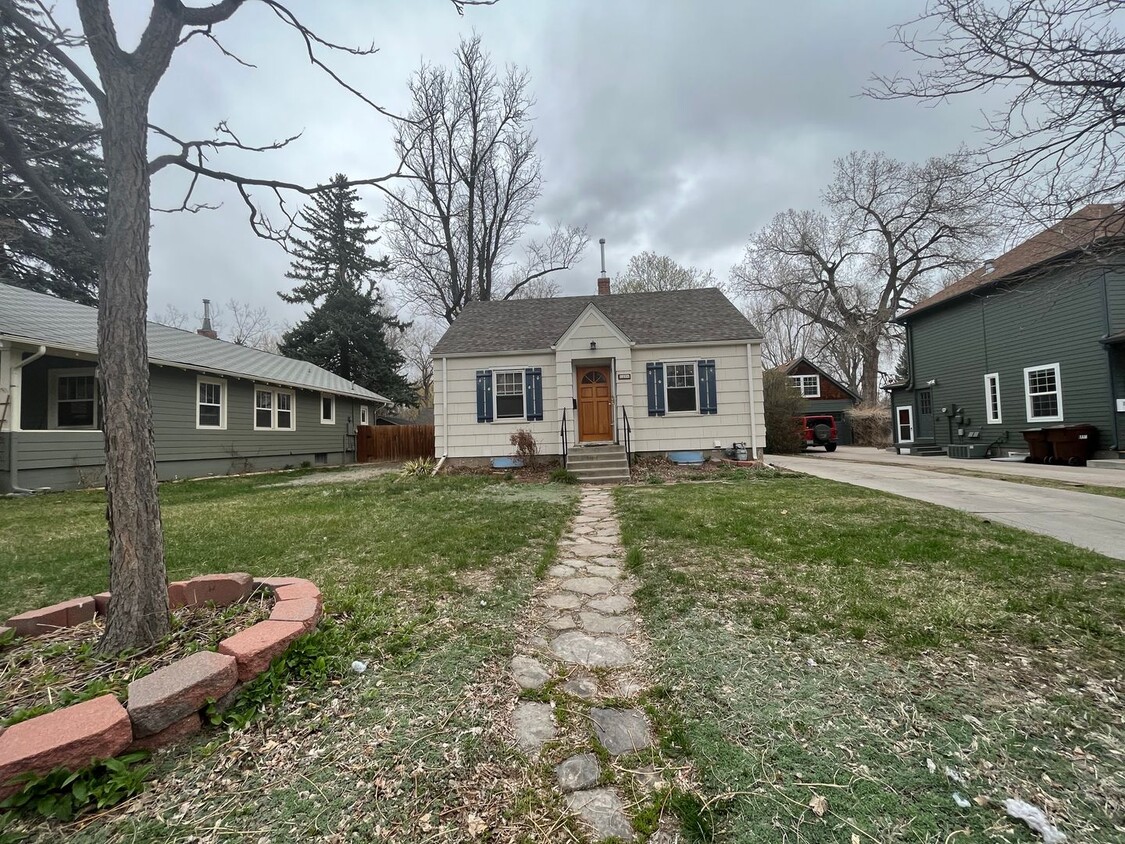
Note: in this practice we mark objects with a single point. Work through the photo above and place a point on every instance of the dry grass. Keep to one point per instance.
(823, 642)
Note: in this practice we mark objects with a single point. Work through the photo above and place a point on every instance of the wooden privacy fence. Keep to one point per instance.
(394, 442)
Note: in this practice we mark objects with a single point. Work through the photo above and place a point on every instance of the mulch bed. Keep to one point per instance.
(46, 673)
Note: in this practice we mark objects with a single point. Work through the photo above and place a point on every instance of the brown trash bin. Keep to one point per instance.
(1073, 444)
(1038, 444)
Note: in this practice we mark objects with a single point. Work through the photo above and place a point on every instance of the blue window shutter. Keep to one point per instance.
(655, 373)
(484, 395)
(708, 398)
(533, 393)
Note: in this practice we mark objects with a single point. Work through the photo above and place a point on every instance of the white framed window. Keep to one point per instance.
(992, 398)
(680, 388)
(211, 404)
(904, 423)
(274, 409)
(328, 410)
(508, 393)
(807, 385)
(73, 399)
(363, 415)
(1042, 387)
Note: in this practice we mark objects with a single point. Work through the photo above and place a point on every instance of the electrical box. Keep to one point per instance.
(960, 432)
(1121, 405)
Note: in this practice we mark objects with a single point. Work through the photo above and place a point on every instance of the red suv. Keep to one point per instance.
(819, 430)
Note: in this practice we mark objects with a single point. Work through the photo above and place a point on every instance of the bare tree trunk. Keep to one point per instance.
(871, 371)
(138, 579)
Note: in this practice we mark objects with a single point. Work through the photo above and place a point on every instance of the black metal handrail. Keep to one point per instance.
(562, 433)
(628, 430)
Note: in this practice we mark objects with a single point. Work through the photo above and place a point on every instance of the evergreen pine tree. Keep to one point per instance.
(42, 106)
(346, 328)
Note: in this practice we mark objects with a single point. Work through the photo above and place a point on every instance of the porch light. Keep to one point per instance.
(593, 345)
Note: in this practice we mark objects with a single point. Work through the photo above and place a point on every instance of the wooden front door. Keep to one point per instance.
(595, 404)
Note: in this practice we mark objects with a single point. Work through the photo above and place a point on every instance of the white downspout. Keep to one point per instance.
(753, 409)
(444, 409)
(15, 405)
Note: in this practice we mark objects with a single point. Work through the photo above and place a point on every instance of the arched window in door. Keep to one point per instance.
(593, 377)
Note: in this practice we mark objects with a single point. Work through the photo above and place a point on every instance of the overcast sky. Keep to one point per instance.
(669, 125)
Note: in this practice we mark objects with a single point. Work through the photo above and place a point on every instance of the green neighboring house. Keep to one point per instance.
(217, 407)
(1032, 339)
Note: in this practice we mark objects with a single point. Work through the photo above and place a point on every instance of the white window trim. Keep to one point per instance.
(799, 383)
(53, 376)
(997, 418)
(667, 377)
(1027, 392)
(320, 410)
(363, 414)
(274, 393)
(222, 385)
(496, 417)
(909, 408)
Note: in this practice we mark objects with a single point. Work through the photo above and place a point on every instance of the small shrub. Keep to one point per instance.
(782, 403)
(871, 425)
(420, 467)
(62, 794)
(563, 476)
(527, 449)
(306, 464)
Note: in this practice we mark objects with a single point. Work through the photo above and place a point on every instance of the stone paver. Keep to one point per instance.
(533, 726)
(603, 810)
(578, 772)
(581, 687)
(612, 604)
(529, 673)
(563, 622)
(588, 585)
(560, 571)
(593, 622)
(592, 651)
(562, 601)
(608, 572)
(621, 730)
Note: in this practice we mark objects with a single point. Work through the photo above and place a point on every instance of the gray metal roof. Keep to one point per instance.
(44, 320)
(648, 319)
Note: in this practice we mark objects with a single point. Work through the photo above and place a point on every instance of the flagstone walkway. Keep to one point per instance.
(581, 648)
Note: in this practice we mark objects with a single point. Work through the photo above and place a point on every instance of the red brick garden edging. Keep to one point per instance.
(164, 706)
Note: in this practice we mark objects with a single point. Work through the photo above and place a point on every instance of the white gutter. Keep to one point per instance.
(15, 404)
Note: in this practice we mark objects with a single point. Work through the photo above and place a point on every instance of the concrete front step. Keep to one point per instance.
(606, 463)
(601, 476)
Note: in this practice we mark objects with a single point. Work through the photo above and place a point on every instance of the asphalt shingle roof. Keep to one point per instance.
(45, 320)
(1084, 229)
(673, 316)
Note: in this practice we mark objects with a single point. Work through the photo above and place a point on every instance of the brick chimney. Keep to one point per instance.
(603, 279)
(206, 330)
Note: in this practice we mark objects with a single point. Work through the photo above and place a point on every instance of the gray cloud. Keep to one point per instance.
(666, 125)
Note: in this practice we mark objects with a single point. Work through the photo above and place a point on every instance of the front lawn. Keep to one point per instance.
(893, 658)
(422, 580)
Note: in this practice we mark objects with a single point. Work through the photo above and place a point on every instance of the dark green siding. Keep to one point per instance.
(62, 459)
(1058, 318)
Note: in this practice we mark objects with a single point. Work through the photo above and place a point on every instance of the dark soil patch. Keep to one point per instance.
(46, 673)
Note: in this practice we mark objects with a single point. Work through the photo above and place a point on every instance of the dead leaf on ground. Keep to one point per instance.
(819, 805)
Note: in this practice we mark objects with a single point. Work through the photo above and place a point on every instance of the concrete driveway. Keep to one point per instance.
(1091, 521)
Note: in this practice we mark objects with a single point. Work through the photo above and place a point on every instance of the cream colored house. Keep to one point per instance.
(654, 372)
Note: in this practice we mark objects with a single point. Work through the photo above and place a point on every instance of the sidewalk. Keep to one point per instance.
(1066, 474)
